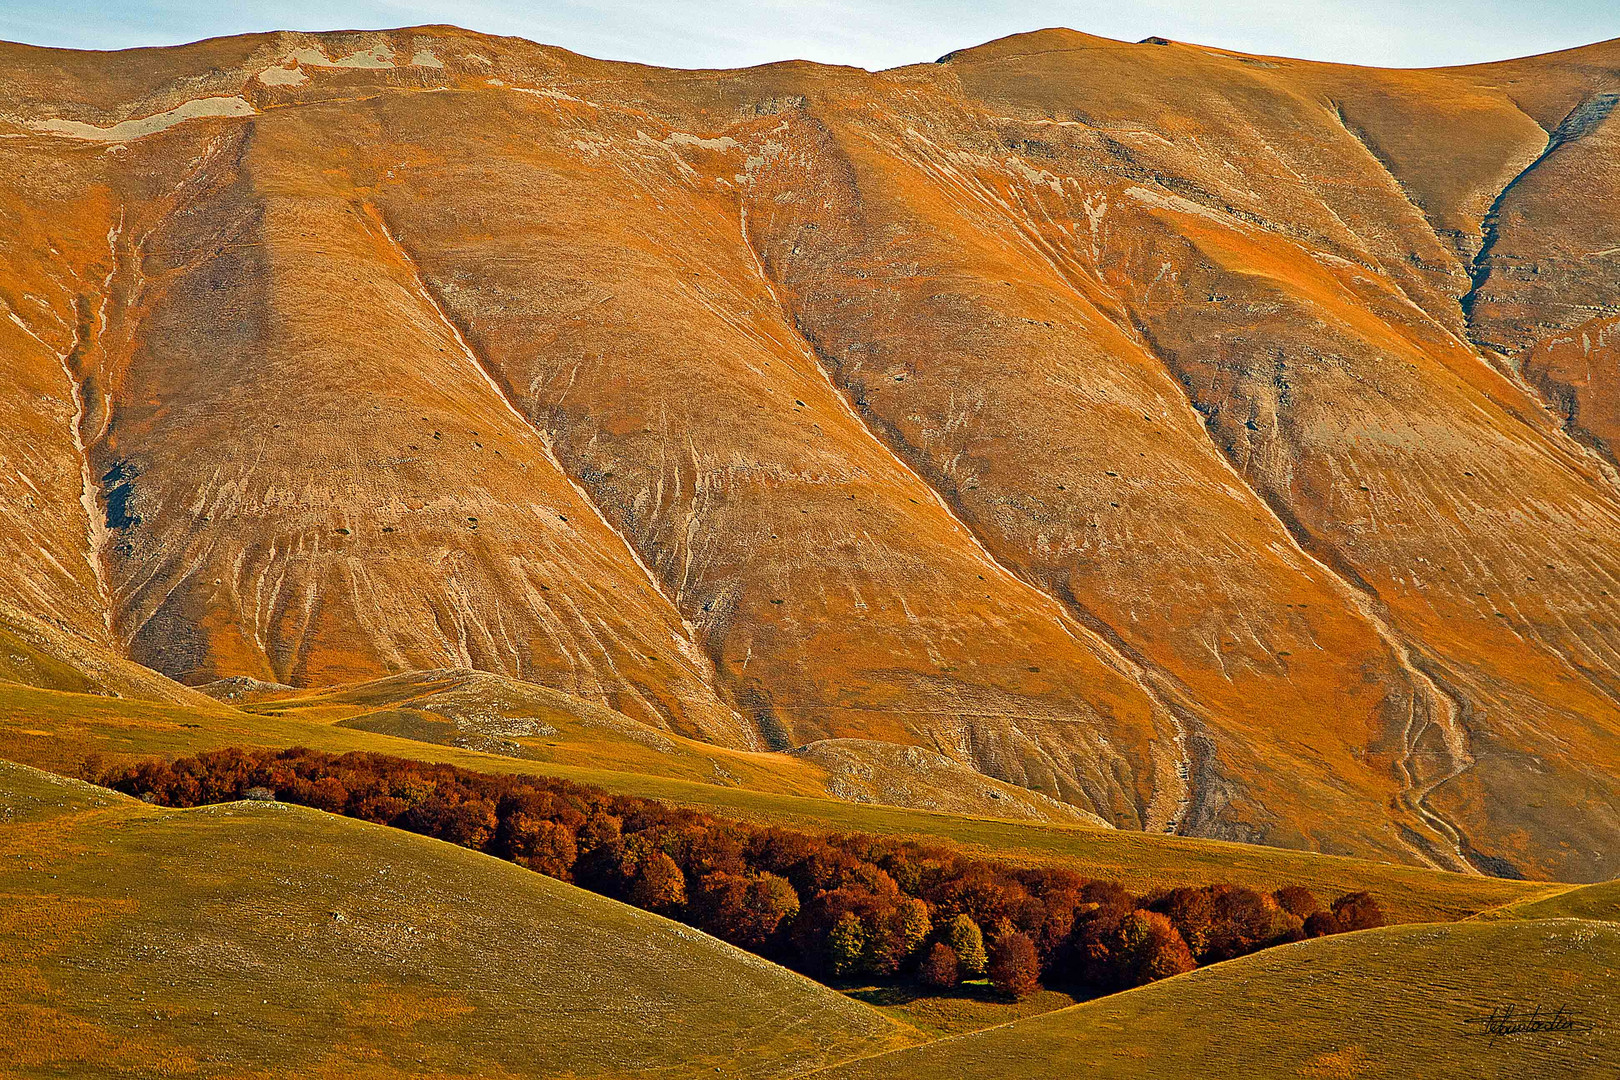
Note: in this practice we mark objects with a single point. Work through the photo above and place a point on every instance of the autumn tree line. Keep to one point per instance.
(837, 907)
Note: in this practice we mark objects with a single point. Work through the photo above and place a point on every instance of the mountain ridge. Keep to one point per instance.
(983, 285)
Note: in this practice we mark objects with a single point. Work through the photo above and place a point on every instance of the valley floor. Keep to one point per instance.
(271, 940)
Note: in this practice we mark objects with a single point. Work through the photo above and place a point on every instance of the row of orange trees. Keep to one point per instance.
(834, 906)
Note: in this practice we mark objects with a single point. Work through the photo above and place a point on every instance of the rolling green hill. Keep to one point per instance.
(254, 939)
(254, 900)
(511, 718)
(283, 941)
(1600, 901)
(1399, 1002)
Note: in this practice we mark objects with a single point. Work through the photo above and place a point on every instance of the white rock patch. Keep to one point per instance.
(128, 130)
(283, 76)
(681, 138)
(289, 72)
(379, 56)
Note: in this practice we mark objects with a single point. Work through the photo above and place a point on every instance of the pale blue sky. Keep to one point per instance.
(872, 34)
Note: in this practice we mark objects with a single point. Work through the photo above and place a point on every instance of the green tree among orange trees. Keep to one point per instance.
(902, 925)
(846, 946)
(966, 940)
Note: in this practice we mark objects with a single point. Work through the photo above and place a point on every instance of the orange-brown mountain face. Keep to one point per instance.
(1223, 445)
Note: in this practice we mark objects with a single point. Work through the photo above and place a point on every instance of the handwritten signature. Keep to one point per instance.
(1511, 1019)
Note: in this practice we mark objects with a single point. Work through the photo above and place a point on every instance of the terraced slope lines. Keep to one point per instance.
(1221, 445)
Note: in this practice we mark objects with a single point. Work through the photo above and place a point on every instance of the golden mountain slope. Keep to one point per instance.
(1215, 442)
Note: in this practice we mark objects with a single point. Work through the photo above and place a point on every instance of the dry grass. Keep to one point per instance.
(973, 1006)
(1600, 901)
(1400, 1002)
(55, 731)
(152, 912)
(508, 718)
(263, 939)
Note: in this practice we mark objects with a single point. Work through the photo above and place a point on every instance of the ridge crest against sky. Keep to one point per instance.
(696, 33)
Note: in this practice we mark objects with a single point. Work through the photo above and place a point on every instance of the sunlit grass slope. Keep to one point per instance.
(270, 940)
(56, 730)
(1600, 901)
(1397, 1003)
(38, 652)
(480, 711)
(475, 710)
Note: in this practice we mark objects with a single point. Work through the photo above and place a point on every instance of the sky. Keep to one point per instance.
(866, 33)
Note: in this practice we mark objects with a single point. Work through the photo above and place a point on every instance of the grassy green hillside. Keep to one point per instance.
(154, 920)
(247, 939)
(479, 711)
(39, 652)
(54, 731)
(1600, 901)
(1400, 1002)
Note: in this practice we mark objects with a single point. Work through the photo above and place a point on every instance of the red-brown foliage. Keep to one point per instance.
(1297, 900)
(840, 905)
(1014, 968)
(1151, 949)
(1321, 924)
(658, 884)
(744, 910)
(939, 968)
(1358, 911)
